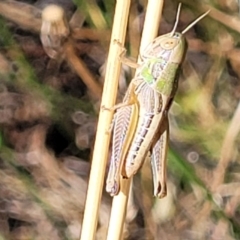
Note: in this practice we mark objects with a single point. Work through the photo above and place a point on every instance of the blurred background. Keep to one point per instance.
(51, 78)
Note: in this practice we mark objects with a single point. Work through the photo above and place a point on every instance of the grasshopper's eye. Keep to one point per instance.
(169, 43)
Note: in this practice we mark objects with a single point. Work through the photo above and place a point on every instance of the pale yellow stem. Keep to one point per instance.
(119, 205)
(101, 147)
(152, 22)
(118, 212)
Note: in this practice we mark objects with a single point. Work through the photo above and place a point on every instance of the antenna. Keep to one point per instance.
(177, 19)
(194, 22)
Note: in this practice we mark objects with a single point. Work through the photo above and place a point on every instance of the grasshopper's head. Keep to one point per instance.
(172, 46)
(163, 57)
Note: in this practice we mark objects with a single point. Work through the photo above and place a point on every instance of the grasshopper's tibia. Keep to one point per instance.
(159, 160)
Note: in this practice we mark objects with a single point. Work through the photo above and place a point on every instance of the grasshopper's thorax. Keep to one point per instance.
(161, 61)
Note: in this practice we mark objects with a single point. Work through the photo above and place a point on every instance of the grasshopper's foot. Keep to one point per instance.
(116, 41)
(104, 108)
(115, 107)
(122, 54)
(122, 57)
(111, 109)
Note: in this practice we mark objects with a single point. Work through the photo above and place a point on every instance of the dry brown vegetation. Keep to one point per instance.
(48, 115)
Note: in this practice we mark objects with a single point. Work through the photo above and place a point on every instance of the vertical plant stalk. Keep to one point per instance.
(152, 22)
(101, 148)
(119, 205)
(118, 211)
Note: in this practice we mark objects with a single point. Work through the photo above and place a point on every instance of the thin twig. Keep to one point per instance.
(81, 69)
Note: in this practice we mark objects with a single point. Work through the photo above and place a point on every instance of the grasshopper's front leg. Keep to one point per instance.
(159, 159)
(123, 58)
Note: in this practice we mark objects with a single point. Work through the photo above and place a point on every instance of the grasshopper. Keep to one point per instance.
(141, 121)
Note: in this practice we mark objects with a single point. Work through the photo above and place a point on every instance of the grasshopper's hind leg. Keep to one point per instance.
(159, 160)
(125, 121)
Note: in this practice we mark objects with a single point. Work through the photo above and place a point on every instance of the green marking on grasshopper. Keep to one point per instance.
(151, 66)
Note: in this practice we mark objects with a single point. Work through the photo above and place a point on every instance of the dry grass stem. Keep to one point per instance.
(101, 148)
(153, 16)
(80, 68)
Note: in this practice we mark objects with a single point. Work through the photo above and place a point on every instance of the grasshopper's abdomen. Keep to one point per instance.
(139, 147)
(151, 113)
